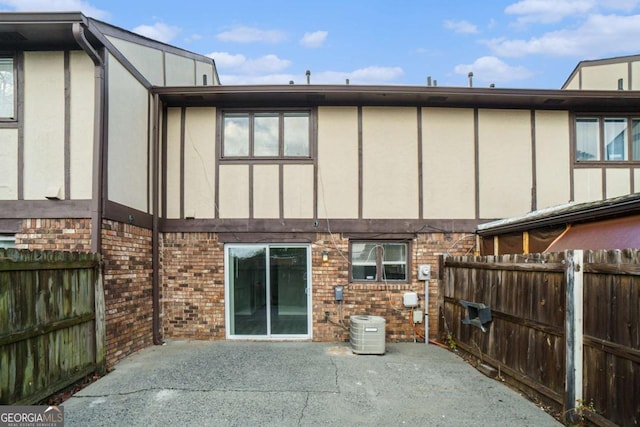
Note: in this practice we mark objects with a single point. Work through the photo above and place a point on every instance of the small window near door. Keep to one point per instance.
(7, 241)
(379, 261)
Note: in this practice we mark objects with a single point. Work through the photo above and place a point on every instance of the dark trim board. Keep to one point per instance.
(45, 209)
(366, 226)
(267, 237)
(12, 225)
(117, 212)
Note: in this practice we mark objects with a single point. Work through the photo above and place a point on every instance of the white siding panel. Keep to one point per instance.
(448, 163)
(552, 158)
(266, 191)
(180, 70)
(505, 162)
(618, 182)
(199, 162)
(234, 191)
(148, 61)
(173, 162)
(82, 117)
(298, 191)
(390, 162)
(43, 123)
(128, 138)
(587, 184)
(8, 164)
(338, 162)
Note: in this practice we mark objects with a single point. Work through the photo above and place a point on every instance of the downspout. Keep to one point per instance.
(155, 241)
(98, 137)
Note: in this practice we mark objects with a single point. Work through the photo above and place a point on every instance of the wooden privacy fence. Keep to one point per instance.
(51, 322)
(565, 327)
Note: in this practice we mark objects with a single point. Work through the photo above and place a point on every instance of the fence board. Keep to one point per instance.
(47, 322)
(526, 339)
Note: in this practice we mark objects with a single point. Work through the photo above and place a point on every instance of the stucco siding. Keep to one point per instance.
(390, 162)
(180, 71)
(504, 140)
(234, 191)
(199, 162)
(8, 164)
(552, 158)
(587, 185)
(43, 124)
(266, 191)
(338, 162)
(635, 75)
(604, 77)
(128, 138)
(448, 163)
(148, 61)
(618, 182)
(174, 117)
(298, 191)
(205, 68)
(82, 108)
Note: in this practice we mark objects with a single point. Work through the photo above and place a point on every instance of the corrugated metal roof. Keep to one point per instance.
(618, 233)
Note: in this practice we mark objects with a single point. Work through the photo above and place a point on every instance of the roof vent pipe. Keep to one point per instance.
(470, 75)
(308, 74)
(492, 85)
(290, 82)
(620, 84)
(347, 81)
(428, 80)
(435, 83)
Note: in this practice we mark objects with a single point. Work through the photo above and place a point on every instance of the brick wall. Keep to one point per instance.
(126, 251)
(55, 234)
(192, 286)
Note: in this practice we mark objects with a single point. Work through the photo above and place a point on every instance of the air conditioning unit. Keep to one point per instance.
(367, 334)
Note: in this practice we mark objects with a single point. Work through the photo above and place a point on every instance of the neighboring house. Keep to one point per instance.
(599, 225)
(233, 212)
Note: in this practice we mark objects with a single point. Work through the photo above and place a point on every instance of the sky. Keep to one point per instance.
(513, 44)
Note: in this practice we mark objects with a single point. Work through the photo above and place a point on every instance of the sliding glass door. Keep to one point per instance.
(268, 291)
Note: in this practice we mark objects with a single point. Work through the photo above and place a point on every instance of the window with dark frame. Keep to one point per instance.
(7, 241)
(607, 139)
(379, 261)
(266, 135)
(7, 87)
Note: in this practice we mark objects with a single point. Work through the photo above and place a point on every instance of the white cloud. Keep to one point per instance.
(266, 64)
(56, 6)
(598, 35)
(462, 27)
(490, 69)
(158, 31)
(315, 39)
(243, 34)
(548, 11)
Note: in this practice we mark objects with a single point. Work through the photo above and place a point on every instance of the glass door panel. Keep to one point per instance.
(247, 276)
(267, 291)
(288, 285)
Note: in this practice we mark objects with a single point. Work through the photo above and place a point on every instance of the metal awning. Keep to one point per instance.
(618, 233)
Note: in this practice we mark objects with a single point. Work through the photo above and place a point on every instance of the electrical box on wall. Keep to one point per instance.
(410, 299)
(338, 292)
(424, 272)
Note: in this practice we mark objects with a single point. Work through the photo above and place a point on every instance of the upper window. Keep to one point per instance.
(265, 135)
(379, 261)
(7, 88)
(607, 139)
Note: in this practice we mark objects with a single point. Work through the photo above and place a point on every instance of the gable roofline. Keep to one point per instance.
(53, 30)
(302, 95)
(603, 61)
(569, 213)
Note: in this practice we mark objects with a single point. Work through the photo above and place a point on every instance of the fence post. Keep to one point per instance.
(573, 335)
(100, 329)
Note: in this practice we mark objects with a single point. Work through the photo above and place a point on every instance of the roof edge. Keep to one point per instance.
(563, 214)
(42, 17)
